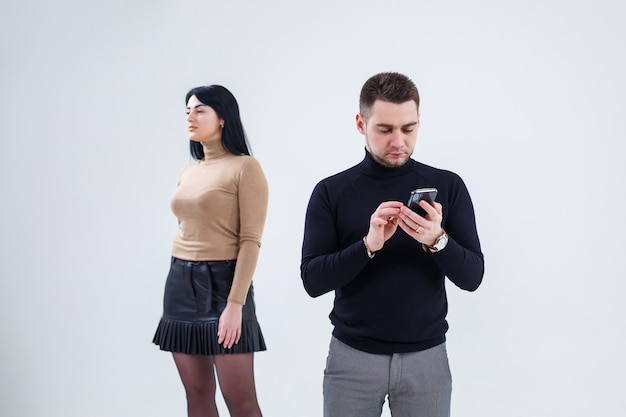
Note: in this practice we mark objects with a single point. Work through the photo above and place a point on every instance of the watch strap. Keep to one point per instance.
(370, 254)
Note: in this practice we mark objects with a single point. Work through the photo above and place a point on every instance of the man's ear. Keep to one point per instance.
(360, 123)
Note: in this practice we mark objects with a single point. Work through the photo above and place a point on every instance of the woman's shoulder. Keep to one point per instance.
(246, 162)
(187, 168)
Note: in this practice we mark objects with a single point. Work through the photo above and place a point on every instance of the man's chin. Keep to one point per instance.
(393, 162)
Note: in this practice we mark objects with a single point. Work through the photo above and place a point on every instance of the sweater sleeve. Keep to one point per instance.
(462, 260)
(325, 265)
(253, 200)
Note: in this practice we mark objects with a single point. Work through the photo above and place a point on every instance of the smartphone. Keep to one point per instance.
(427, 194)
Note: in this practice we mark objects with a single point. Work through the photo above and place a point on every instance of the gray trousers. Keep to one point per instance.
(356, 383)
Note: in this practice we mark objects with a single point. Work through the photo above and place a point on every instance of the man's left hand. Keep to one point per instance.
(425, 230)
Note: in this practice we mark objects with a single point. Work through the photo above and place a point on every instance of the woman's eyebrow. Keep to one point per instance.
(197, 105)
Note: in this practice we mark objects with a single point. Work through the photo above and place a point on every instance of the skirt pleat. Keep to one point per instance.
(201, 338)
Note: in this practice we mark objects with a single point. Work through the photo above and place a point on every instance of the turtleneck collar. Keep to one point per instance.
(213, 150)
(371, 167)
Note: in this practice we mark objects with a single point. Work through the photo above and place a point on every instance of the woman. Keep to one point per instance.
(209, 320)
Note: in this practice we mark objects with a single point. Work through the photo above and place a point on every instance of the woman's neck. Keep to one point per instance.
(213, 149)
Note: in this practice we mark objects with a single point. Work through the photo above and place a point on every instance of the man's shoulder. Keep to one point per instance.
(343, 176)
(335, 183)
(449, 183)
(431, 171)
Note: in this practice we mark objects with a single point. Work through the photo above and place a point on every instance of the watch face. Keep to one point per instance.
(441, 242)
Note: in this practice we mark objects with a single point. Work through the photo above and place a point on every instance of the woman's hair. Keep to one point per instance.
(225, 105)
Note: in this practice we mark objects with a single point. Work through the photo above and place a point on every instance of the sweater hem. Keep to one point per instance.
(386, 348)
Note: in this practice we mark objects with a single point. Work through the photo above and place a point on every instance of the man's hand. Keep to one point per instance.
(425, 230)
(383, 224)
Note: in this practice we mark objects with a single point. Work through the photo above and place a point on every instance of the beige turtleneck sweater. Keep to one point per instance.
(221, 205)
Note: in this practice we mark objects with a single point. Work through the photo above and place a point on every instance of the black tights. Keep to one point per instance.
(235, 373)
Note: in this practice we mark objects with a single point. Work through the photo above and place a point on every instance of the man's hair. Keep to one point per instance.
(387, 86)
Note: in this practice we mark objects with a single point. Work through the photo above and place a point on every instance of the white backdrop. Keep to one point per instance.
(524, 100)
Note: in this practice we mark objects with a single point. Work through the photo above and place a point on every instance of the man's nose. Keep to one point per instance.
(397, 139)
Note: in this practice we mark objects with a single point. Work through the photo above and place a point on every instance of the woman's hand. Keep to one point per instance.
(229, 327)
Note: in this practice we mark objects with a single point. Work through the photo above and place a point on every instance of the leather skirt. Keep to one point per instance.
(195, 295)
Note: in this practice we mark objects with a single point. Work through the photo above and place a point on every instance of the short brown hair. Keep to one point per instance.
(387, 86)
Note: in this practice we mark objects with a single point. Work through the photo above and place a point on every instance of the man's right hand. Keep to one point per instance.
(383, 224)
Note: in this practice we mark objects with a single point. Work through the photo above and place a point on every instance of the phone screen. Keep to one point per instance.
(426, 194)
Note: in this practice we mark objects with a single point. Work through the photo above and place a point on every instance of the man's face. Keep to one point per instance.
(390, 131)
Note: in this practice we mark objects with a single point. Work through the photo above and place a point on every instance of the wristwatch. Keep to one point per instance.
(440, 243)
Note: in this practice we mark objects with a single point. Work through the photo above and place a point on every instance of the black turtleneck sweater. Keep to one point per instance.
(395, 302)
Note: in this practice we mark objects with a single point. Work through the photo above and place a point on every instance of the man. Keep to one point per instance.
(387, 264)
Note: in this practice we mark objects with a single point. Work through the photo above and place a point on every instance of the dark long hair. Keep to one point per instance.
(221, 100)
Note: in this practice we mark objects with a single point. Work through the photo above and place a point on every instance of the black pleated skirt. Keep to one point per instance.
(196, 293)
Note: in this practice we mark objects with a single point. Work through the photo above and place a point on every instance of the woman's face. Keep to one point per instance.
(203, 123)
